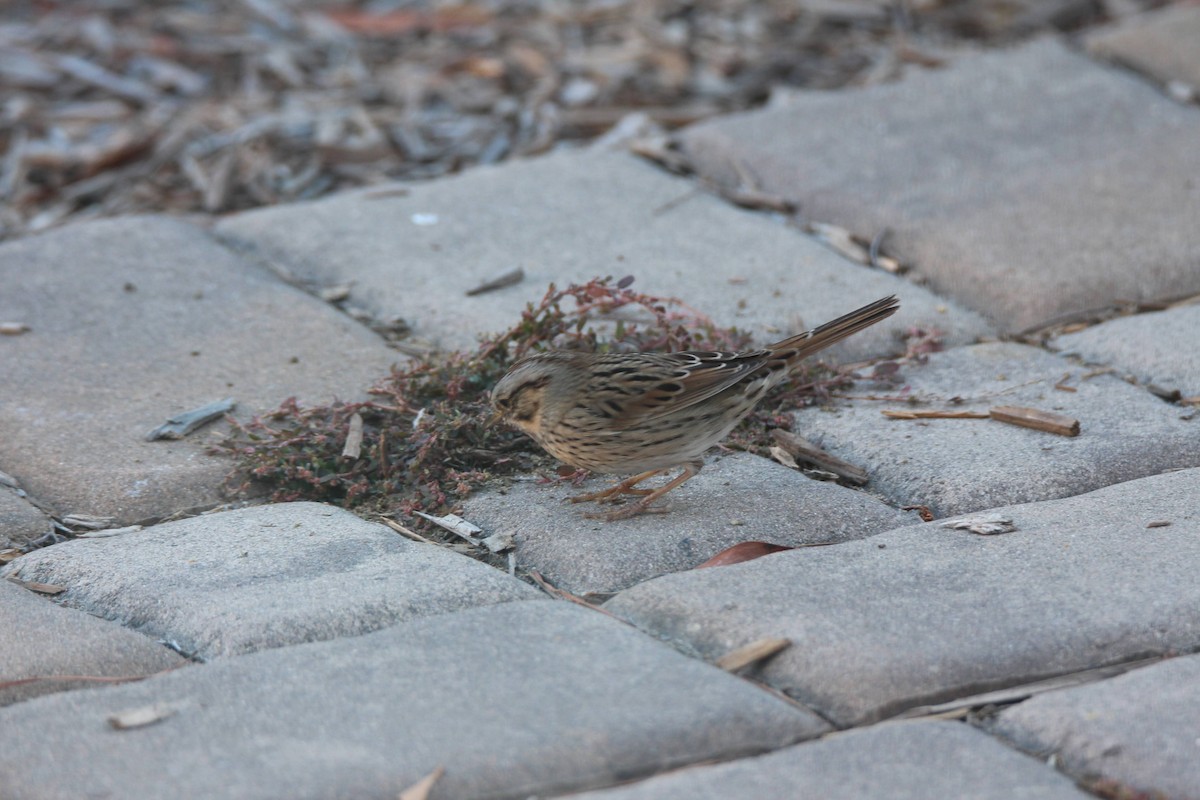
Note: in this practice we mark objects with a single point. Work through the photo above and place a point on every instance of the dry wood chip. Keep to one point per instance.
(182, 424)
(783, 457)
(9, 554)
(510, 278)
(420, 790)
(455, 524)
(141, 717)
(354, 438)
(88, 521)
(13, 328)
(1047, 421)
(753, 653)
(109, 532)
(1159, 523)
(803, 450)
(983, 524)
(500, 542)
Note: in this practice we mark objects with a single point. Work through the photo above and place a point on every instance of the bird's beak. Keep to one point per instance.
(496, 416)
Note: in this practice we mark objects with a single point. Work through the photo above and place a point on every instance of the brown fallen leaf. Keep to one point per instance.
(743, 551)
(421, 789)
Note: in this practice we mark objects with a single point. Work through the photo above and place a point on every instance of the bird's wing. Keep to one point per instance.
(642, 386)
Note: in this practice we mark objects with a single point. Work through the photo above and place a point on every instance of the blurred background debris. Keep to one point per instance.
(211, 106)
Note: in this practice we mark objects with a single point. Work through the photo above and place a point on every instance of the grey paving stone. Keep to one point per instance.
(1025, 183)
(42, 640)
(513, 700)
(132, 321)
(1156, 348)
(572, 217)
(916, 760)
(959, 465)
(736, 498)
(1164, 44)
(1140, 730)
(925, 614)
(238, 581)
(21, 522)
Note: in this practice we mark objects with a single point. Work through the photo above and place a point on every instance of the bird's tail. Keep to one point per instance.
(805, 344)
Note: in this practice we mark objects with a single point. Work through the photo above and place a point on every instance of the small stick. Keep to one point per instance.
(510, 278)
(403, 531)
(552, 590)
(1047, 421)
(936, 414)
(752, 653)
(804, 450)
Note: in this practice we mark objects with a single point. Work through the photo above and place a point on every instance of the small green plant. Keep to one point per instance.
(426, 439)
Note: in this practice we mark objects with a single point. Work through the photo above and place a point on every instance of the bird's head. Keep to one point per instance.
(519, 396)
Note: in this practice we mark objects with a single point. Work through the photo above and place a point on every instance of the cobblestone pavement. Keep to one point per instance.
(297, 650)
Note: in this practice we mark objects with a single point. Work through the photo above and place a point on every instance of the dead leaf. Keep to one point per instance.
(743, 551)
(420, 790)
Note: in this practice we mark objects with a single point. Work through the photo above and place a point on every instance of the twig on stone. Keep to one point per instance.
(510, 278)
(1047, 421)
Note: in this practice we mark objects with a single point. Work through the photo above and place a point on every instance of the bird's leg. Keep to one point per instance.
(624, 487)
(643, 506)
